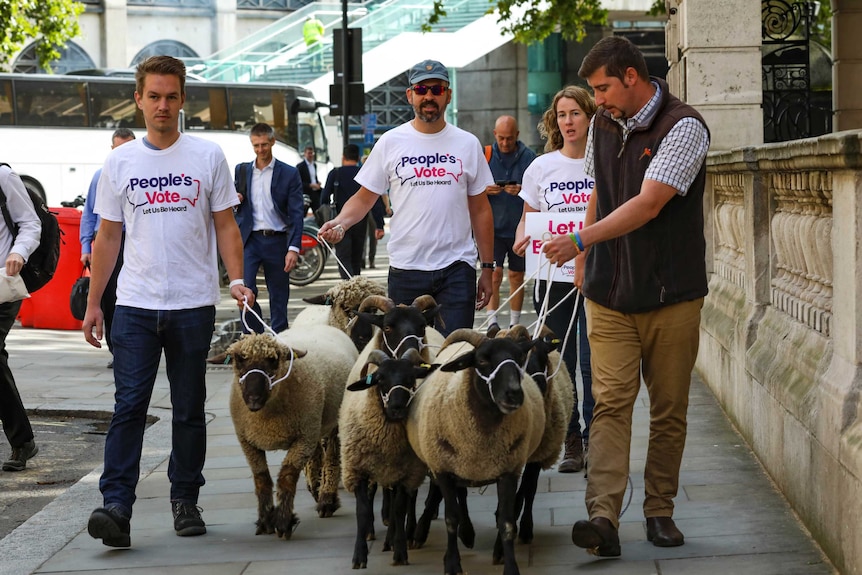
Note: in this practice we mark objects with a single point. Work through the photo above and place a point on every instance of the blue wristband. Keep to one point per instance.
(578, 241)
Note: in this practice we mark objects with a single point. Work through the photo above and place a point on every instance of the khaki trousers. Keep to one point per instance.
(662, 346)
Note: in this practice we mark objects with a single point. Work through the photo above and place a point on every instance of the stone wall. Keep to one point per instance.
(781, 335)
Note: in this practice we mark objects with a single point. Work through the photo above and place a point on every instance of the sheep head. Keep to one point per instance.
(403, 326)
(498, 372)
(537, 360)
(345, 297)
(258, 360)
(395, 380)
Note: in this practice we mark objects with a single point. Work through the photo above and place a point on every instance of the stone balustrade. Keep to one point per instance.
(781, 335)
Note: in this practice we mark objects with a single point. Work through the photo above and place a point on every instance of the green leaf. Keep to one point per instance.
(50, 23)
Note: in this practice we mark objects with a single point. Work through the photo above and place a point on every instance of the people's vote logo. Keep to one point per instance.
(428, 168)
(569, 194)
(170, 193)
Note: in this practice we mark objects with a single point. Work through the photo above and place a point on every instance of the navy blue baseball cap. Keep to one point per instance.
(428, 70)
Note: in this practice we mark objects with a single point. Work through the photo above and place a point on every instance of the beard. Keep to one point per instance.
(430, 116)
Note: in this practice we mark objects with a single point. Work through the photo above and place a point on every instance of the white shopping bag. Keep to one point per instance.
(12, 288)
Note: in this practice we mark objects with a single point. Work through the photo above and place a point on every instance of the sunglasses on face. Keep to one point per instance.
(422, 89)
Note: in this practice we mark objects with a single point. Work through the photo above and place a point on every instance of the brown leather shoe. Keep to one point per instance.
(598, 536)
(662, 531)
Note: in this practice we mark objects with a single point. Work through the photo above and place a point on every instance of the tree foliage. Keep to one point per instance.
(49, 22)
(532, 21)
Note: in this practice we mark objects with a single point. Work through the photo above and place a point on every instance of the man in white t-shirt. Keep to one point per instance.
(436, 175)
(175, 196)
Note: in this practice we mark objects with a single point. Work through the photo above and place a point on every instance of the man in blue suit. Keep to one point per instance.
(270, 221)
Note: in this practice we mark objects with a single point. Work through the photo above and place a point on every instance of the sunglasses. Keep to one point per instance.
(422, 89)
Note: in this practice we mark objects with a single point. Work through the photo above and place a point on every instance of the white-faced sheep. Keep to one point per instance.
(374, 445)
(337, 305)
(545, 366)
(286, 395)
(480, 426)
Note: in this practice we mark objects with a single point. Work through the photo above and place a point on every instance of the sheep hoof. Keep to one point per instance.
(411, 544)
(327, 505)
(396, 562)
(360, 565)
(466, 534)
(288, 530)
(371, 536)
(387, 547)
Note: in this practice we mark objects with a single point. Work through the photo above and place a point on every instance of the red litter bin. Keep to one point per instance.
(48, 308)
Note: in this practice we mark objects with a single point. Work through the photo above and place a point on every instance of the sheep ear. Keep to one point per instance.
(372, 318)
(321, 299)
(363, 383)
(423, 370)
(461, 362)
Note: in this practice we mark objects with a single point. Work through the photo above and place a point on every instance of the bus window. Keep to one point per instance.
(250, 106)
(50, 103)
(6, 118)
(112, 105)
(197, 108)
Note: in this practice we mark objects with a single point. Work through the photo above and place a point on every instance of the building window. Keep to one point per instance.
(164, 48)
(173, 3)
(271, 4)
(72, 58)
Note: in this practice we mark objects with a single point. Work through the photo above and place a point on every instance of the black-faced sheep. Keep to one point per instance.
(374, 445)
(286, 395)
(478, 426)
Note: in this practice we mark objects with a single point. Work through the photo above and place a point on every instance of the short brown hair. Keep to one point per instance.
(549, 128)
(616, 54)
(263, 129)
(162, 65)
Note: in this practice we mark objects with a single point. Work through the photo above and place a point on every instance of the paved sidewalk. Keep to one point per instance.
(734, 520)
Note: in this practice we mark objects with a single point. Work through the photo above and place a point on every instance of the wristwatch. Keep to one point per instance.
(489, 265)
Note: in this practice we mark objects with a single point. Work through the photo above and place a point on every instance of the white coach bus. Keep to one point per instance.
(55, 130)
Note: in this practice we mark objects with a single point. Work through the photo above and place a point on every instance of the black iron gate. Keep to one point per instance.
(792, 109)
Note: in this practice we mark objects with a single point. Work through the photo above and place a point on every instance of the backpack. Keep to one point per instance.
(42, 264)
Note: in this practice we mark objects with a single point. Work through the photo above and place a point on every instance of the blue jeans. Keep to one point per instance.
(453, 288)
(140, 336)
(558, 322)
(269, 252)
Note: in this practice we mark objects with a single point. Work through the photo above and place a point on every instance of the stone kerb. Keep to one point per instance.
(780, 335)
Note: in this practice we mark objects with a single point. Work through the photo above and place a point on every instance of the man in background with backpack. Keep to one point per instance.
(270, 217)
(508, 158)
(89, 226)
(15, 248)
(340, 187)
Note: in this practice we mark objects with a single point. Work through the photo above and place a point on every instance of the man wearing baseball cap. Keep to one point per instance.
(436, 175)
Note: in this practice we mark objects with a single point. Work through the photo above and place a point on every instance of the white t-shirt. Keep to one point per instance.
(429, 177)
(166, 199)
(556, 183)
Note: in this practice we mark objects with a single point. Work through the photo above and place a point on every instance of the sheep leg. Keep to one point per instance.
(410, 529)
(388, 521)
(384, 509)
(401, 499)
(363, 516)
(256, 459)
(285, 519)
(452, 558)
(432, 505)
(526, 496)
(313, 470)
(328, 502)
(466, 533)
(372, 492)
(507, 487)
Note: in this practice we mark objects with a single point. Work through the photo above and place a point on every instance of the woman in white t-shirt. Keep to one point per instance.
(548, 186)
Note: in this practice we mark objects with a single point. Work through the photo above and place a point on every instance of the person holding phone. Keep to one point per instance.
(508, 158)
